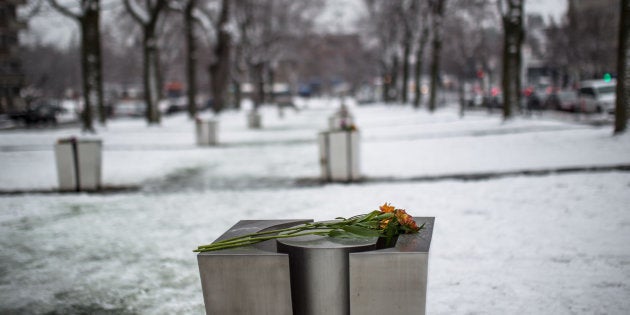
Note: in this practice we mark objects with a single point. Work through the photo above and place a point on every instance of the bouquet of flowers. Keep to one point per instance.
(387, 223)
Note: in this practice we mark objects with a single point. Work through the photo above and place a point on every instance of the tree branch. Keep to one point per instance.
(135, 13)
(65, 11)
(201, 17)
(501, 8)
(155, 11)
(34, 9)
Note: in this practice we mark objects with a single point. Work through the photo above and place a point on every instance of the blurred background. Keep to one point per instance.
(503, 119)
(161, 57)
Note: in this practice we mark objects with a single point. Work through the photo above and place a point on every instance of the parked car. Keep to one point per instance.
(130, 108)
(564, 100)
(40, 112)
(282, 95)
(473, 96)
(597, 96)
(174, 105)
(494, 99)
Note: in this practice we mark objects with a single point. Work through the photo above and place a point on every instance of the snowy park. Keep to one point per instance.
(531, 214)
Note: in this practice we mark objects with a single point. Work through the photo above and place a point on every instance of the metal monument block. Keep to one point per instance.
(339, 155)
(319, 272)
(206, 130)
(254, 120)
(392, 280)
(316, 275)
(247, 280)
(78, 164)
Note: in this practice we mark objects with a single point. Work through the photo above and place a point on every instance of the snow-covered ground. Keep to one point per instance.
(554, 244)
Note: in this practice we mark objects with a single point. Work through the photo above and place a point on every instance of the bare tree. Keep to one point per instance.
(437, 16)
(557, 53)
(421, 40)
(471, 43)
(191, 17)
(266, 28)
(591, 54)
(216, 18)
(513, 33)
(386, 28)
(191, 58)
(148, 17)
(623, 70)
(51, 70)
(88, 18)
(220, 68)
(408, 15)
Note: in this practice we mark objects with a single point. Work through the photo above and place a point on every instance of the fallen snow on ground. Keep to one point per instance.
(396, 141)
(552, 244)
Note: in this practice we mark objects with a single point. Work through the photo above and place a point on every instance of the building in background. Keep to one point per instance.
(11, 74)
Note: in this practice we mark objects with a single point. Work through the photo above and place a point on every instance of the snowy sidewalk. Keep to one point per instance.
(396, 143)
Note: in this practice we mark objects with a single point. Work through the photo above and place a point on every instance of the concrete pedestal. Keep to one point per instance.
(339, 155)
(316, 275)
(78, 164)
(206, 130)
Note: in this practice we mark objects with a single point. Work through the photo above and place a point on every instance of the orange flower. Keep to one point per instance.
(387, 208)
(405, 219)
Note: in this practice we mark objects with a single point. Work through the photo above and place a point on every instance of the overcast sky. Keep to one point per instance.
(338, 15)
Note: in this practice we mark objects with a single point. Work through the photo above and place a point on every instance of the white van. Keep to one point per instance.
(597, 96)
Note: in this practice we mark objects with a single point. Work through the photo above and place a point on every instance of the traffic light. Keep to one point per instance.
(607, 77)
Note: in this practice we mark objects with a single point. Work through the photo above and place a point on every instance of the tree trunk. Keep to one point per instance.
(220, 69)
(623, 70)
(150, 76)
(91, 64)
(418, 71)
(461, 94)
(191, 58)
(91, 25)
(506, 72)
(87, 78)
(238, 95)
(405, 70)
(393, 88)
(271, 75)
(512, 42)
(438, 12)
(259, 81)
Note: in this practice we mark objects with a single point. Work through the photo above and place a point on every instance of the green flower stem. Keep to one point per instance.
(293, 228)
(383, 224)
(249, 241)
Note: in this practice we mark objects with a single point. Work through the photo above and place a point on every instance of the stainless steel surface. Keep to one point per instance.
(79, 170)
(392, 280)
(315, 275)
(247, 280)
(254, 120)
(206, 131)
(319, 272)
(339, 155)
